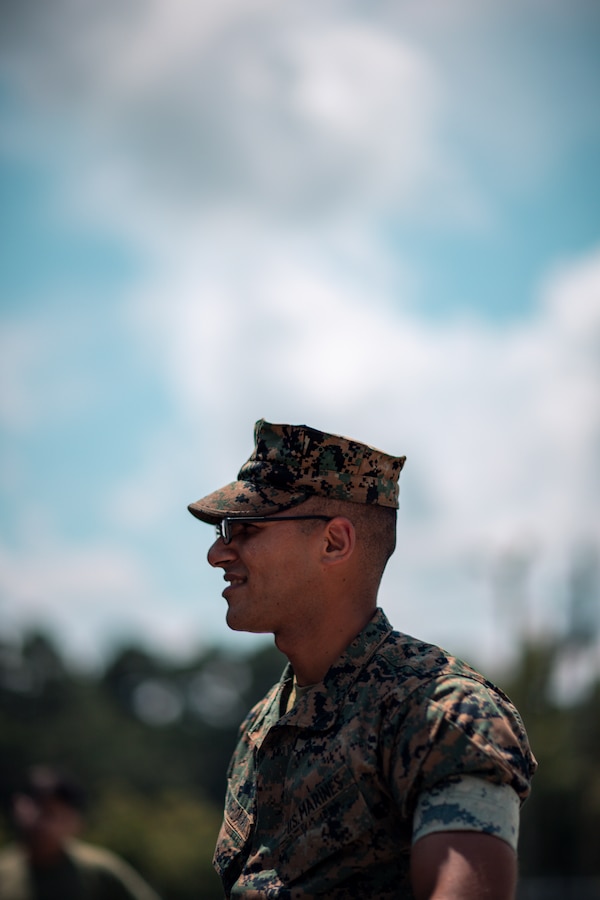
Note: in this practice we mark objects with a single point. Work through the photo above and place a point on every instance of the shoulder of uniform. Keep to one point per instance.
(412, 663)
(404, 668)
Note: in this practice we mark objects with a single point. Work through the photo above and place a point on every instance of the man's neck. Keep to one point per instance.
(313, 653)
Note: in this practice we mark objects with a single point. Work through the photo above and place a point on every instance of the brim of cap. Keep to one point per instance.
(243, 498)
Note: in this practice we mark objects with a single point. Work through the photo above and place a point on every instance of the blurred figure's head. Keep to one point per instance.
(48, 812)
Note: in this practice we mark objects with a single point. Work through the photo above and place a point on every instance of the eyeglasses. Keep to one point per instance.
(224, 527)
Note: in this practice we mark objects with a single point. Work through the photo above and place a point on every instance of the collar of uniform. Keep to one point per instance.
(319, 707)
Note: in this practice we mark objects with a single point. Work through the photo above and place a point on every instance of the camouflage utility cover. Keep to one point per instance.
(291, 463)
(333, 783)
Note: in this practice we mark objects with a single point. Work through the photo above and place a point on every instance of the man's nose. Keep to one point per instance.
(220, 553)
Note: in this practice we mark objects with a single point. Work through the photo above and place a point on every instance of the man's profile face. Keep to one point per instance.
(272, 572)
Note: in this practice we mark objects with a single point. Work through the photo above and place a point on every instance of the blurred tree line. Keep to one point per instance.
(150, 741)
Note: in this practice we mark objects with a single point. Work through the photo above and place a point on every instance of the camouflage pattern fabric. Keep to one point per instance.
(468, 803)
(320, 801)
(291, 463)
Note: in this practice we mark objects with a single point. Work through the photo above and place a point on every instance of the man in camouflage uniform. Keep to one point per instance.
(379, 766)
(47, 861)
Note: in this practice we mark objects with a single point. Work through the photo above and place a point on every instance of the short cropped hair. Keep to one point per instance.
(375, 528)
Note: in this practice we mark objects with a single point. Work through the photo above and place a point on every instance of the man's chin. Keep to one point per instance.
(237, 622)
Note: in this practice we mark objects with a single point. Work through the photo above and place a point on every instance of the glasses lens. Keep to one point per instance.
(223, 530)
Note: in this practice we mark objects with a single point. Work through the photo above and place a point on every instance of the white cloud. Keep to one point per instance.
(84, 594)
(500, 428)
(188, 129)
(35, 389)
(297, 111)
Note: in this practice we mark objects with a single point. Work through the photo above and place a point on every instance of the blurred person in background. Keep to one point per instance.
(47, 861)
(379, 766)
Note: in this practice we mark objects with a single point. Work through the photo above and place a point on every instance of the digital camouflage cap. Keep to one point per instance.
(291, 463)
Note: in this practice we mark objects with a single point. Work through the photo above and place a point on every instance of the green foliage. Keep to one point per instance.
(169, 836)
(560, 822)
(150, 740)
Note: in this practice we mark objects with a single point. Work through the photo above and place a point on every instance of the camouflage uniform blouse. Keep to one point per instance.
(320, 801)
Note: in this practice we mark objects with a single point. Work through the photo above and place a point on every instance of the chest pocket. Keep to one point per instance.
(332, 817)
(233, 837)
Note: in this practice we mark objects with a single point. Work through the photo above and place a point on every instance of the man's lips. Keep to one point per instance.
(234, 580)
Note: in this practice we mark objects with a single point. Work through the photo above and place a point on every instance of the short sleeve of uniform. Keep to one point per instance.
(456, 725)
(468, 803)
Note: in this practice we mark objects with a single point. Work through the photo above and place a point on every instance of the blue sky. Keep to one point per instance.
(380, 220)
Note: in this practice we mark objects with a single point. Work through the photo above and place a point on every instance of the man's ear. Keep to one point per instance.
(340, 540)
